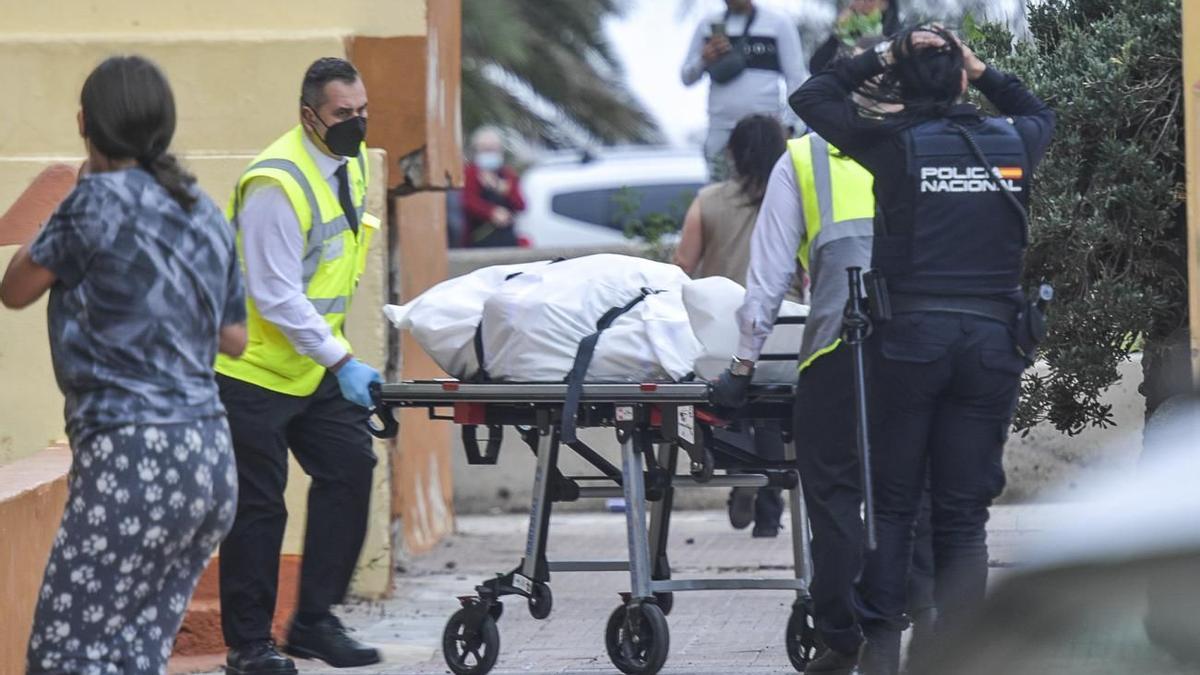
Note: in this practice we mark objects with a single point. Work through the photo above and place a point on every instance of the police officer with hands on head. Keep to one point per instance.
(952, 187)
(818, 210)
(303, 235)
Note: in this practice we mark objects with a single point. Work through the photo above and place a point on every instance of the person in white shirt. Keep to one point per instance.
(747, 52)
(300, 209)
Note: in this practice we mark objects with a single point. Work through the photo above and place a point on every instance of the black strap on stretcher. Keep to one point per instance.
(583, 359)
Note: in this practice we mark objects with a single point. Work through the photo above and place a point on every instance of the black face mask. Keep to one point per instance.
(346, 137)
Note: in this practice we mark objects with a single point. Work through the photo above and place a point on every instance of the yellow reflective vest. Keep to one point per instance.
(839, 212)
(333, 260)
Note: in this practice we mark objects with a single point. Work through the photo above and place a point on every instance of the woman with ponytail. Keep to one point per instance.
(144, 290)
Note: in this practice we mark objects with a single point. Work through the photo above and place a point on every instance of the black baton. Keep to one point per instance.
(856, 326)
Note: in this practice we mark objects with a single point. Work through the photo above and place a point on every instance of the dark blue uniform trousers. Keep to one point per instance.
(943, 390)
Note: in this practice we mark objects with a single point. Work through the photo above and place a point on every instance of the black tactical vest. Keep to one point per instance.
(963, 236)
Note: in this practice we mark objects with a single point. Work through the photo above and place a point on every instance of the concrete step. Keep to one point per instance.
(235, 92)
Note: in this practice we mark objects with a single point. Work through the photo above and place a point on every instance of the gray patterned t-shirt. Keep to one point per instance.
(142, 290)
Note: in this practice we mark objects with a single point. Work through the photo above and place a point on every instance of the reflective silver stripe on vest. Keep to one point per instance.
(860, 227)
(320, 232)
(294, 171)
(330, 305)
(822, 179)
(823, 186)
(317, 237)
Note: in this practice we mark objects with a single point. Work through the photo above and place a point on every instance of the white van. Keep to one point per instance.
(579, 198)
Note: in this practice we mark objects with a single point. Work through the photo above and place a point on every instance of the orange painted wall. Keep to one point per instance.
(422, 488)
(413, 84)
(33, 492)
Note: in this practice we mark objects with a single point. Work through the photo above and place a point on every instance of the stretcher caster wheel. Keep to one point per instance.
(541, 601)
(703, 471)
(665, 600)
(496, 610)
(637, 639)
(802, 640)
(470, 645)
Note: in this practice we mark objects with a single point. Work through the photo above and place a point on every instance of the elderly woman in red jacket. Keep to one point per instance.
(491, 193)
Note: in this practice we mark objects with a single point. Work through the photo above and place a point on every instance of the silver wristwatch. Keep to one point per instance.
(741, 368)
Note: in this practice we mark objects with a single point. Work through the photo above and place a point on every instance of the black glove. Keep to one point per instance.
(729, 391)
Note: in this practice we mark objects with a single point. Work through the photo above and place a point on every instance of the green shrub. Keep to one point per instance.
(1108, 213)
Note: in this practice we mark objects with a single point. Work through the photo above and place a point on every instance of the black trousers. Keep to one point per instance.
(768, 502)
(829, 472)
(827, 452)
(329, 438)
(944, 388)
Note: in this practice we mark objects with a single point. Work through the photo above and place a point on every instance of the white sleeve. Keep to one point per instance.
(773, 246)
(795, 70)
(693, 65)
(273, 247)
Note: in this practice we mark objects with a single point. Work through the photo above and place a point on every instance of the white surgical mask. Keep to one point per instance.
(489, 160)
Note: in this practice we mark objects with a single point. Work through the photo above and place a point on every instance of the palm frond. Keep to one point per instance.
(546, 70)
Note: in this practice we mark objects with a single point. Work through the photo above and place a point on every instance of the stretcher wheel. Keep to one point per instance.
(801, 640)
(703, 471)
(665, 600)
(637, 639)
(470, 645)
(541, 601)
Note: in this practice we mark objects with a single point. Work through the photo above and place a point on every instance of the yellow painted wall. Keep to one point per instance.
(231, 94)
(1191, 91)
(235, 67)
(363, 17)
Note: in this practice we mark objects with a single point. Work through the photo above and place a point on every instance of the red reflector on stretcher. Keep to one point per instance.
(470, 413)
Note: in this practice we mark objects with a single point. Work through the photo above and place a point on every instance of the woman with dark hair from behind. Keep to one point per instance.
(717, 227)
(716, 242)
(144, 290)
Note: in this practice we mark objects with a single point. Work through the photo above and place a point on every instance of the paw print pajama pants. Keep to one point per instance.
(147, 506)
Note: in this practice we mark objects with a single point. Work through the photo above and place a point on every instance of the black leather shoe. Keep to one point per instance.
(765, 531)
(832, 662)
(328, 640)
(258, 658)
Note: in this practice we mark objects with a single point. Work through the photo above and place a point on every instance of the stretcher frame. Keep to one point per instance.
(653, 423)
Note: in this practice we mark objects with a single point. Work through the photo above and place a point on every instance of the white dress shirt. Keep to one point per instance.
(773, 246)
(273, 246)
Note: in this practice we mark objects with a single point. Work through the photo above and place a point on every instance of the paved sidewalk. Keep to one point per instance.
(711, 632)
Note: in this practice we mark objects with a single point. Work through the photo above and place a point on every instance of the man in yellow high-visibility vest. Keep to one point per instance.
(818, 209)
(303, 235)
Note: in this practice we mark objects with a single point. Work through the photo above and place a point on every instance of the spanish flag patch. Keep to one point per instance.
(1011, 172)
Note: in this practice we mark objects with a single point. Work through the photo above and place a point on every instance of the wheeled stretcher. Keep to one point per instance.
(654, 423)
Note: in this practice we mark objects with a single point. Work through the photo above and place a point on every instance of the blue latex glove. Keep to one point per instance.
(355, 378)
